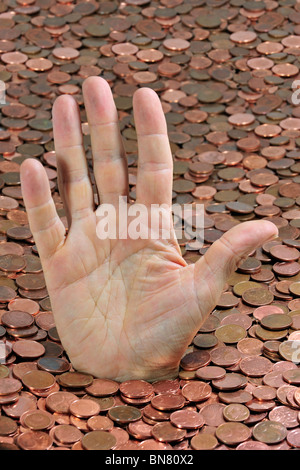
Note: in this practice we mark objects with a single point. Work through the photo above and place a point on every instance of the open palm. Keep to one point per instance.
(124, 308)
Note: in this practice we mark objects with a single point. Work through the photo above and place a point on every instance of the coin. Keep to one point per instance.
(98, 440)
(168, 401)
(66, 434)
(231, 381)
(17, 319)
(276, 322)
(37, 420)
(124, 414)
(34, 440)
(230, 334)
(196, 391)
(195, 360)
(255, 366)
(210, 373)
(28, 349)
(102, 387)
(84, 408)
(38, 380)
(232, 433)
(187, 419)
(289, 350)
(136, 388)
(213, 414)
(100, 423)
(293, 438)
(236, 412)
(75, 380)
(269, 432)
(166, 432)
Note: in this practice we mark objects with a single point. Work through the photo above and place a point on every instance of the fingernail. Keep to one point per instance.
(273, 237)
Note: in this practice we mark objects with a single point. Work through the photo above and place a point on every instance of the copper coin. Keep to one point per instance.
(225, 356)
(74, 380)
(231, 381)
(293, 438)
(260, 312)
(232, 433)
(102, 388)
(230, 334)
(152, 444)
(168, 401)
(263, 392)
(38, 379)
(54, 365)
(213, 414)
(84, 408)
(252, 445)
(236, 412)
(106, 403)
(28, 349)
(100, 423)
(255, 366)
(4, 371)
(195, 360)
(292, 376)
(67, 434)
(238, 396)
(166, 386)
(21, 368)
(284, 253)
(196, 391)
(24, 305)
(12, 263)
(237, 319)
(284, 415)
(124, 414)
(59, 402)
(210, 373)
(7, 294)
(136, 388)
(25, 402)
(37, 420)
(156, 415)
(250, 346)
(17, 319)
(140, 430)
(258, 297)
(297, 396)
(34, 440)
(187, 419)
(290, 350)
(31, 281)
(204, 442)
(166, 432)
(276, 322)
(269, 432)
(9, 386)
(65, 53)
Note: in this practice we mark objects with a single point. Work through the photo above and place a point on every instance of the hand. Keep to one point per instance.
(124, 309)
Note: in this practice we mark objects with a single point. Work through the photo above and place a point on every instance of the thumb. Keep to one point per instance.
(213, 269)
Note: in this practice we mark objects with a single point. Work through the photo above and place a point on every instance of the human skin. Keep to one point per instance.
(124, 309)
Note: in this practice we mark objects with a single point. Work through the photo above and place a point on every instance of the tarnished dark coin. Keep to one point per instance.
(124, 414)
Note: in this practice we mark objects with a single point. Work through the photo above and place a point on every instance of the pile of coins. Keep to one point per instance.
(226, 73)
